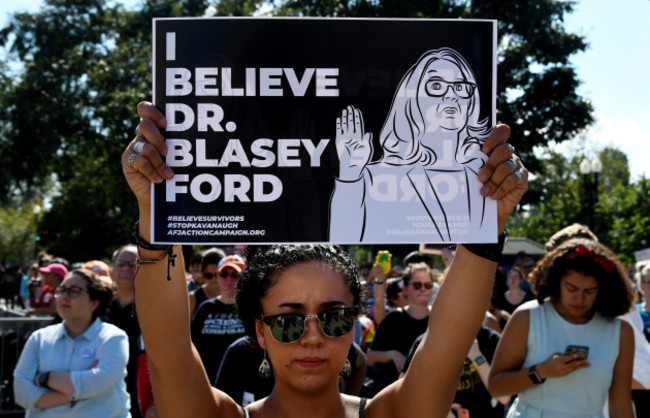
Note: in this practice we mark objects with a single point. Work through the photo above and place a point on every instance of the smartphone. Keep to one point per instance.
(581, 350)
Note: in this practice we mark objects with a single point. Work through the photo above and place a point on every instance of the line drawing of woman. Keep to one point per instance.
(425, 185)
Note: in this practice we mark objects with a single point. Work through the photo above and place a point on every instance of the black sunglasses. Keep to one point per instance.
(418, 285)
(290, 327)
(72, 291)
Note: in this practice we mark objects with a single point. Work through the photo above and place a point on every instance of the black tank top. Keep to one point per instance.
(362, 405)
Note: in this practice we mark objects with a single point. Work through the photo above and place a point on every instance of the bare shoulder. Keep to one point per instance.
(383, 405)
(627, 333)
(519, 320)
(226, 406)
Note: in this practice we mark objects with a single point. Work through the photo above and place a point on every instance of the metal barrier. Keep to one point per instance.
(14, 331)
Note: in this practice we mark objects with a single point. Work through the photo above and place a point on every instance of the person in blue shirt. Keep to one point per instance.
(567, 352)
(75, 368)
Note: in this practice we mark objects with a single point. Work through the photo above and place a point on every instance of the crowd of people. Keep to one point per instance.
(93, 360)
(287, 330)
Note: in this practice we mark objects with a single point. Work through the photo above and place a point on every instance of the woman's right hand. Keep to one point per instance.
(353, 145)
(558, 365)
(140, 169)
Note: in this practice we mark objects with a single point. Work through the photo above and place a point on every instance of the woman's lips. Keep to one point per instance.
(310, 362)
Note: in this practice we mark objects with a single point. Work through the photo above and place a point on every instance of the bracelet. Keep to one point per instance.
(168, 251)
(492, 252)
(139, 261)
(141, 242)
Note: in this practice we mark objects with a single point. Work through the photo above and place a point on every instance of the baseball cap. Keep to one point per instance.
(98, 267)
(234, 261)
(56, 268)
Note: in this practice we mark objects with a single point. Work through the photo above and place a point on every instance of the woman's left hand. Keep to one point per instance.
(504, 177)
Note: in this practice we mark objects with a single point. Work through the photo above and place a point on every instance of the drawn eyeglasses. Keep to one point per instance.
(438, 88)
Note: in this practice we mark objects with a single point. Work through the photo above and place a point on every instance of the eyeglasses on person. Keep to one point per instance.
(438, 88)
(418, 285)
(290, 327)
(72, 291)
(223, 274)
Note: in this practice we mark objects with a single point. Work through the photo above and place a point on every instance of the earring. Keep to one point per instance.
(265, 367)
(347, 369)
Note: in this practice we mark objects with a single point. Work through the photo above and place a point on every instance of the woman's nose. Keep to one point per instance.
(450, 93)
(312, 331)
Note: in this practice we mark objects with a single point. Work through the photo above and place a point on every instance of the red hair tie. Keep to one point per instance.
(582, 251)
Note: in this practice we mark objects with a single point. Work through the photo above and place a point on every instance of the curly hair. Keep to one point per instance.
(267, 263)
(615, 293)
(97, 290)
(575, 230)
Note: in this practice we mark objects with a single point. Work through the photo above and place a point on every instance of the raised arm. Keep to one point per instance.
(180, 384)
(354, 149)
(430, 383)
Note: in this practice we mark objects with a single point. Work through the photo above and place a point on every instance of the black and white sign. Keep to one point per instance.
(288, 130)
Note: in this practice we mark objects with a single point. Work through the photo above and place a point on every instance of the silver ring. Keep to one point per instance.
(519, 178)
(137, 131)
(138, 147)
(131, 160)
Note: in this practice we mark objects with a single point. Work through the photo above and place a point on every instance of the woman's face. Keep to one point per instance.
(228, 284)
(210, 274)
(577, 297)
(514, 280)
(72, 300)
(444, 96)
(315, 360)
(421, 297)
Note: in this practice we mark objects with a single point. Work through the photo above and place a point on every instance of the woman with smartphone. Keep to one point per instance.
(299, 304)
(566, 353)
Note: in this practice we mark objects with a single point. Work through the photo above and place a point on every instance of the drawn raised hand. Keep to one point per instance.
(353, 145)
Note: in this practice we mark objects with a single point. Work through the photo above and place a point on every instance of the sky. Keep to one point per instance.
(614, 70)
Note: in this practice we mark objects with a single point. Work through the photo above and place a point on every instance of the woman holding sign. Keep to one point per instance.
(299, 304)
(427, 177)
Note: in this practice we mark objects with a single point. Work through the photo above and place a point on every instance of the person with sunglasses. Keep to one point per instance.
(400, 327)
(215, 324)
(210, 287)
(430, 156)
(299, 303)
(75, 368)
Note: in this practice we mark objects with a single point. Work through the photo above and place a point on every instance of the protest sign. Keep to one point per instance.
(288, 130)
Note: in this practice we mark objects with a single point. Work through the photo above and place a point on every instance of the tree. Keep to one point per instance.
(72, 74)
(621, 211)
(69, 109)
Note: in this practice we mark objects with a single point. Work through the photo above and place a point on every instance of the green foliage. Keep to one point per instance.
(18, 230)
(72, 74)
(621, 213)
